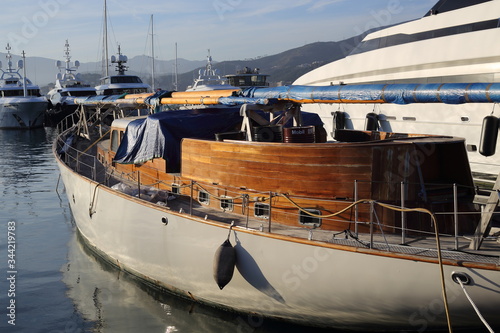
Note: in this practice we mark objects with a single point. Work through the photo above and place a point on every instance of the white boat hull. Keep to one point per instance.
(450, 53)
(22, 112)
(307, 282)
(464, 120)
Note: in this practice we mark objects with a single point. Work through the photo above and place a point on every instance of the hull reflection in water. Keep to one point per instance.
(115, 301)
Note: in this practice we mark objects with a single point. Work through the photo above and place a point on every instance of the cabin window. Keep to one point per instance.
(13, 93)
(227, 204)
(203, 197)
(410, 118)
(261, 210)
(176, 189)
(309, 220)
(115, 141)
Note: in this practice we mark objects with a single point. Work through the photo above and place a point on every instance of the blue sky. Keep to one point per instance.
(231, 29)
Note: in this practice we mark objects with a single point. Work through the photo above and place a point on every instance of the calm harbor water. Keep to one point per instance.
(51, 283)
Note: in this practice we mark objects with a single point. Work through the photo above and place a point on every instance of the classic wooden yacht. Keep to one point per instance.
(21, 104)
(372, 230)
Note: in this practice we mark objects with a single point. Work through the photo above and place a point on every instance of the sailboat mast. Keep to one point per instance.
(106, 64)
(25, 90)
(152, 55)
(175, 69)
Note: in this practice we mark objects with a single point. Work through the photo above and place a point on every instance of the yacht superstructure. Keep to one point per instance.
(453, 43)
(21, 104)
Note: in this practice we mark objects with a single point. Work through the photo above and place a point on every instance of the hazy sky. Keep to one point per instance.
(231, 29)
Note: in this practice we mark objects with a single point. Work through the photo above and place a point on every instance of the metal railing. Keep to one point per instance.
(88, 165)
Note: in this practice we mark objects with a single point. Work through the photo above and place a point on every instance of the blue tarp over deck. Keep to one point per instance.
(160, 135)
(448, 93)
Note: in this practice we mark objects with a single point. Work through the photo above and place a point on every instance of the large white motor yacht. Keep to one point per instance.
(455, 42)
(121, 83)
(68, 86)
(21, 104)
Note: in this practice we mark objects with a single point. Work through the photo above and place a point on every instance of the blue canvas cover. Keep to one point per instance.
(160, 134)
(448, 93)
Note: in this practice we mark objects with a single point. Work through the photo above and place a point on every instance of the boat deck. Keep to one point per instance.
(419, 246)
(386, 242)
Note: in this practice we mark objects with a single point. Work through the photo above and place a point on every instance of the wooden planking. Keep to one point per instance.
(239, 165)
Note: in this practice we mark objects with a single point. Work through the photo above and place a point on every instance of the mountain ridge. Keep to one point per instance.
(282, 68)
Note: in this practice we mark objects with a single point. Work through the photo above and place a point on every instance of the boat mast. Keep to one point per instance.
(25, 92)
(105, 40)
(152, 56)
(175, 69)
(68, 57)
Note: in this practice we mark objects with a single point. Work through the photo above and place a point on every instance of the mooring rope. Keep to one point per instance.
(421, 210)
(91, 206)
(438, 245)
(474, 306)
(323, 216)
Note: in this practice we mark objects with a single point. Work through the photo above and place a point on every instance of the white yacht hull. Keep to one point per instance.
(464, 120)
(448, 47)
(307, 282)
(22, 112)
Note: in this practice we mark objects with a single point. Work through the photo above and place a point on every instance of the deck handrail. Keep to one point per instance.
(82, 161)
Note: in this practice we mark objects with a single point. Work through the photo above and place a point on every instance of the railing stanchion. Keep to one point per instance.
(403, 215)
(372, 207)
(270, 205)
(191, 198)
(455, 213)
(95, 169)
(356, 207)
(139, 182)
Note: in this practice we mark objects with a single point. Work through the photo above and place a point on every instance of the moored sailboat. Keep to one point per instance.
(368, 231)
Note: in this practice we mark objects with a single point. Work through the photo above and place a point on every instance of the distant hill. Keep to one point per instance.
(283, 68)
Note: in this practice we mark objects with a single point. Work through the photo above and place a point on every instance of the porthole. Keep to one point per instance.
(309, 220)
(227, 204)
(261, 210)
(204, 197)
(176, 189)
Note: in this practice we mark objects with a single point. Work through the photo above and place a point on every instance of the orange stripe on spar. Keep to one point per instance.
(332, 101)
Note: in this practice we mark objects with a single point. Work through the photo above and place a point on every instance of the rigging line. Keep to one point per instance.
(91, 212)
(145, 52)
(217, 197)
(474, 305)
(436, 231)
(381, 229)
(96, 141)
(323, 216)
(440, 259)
